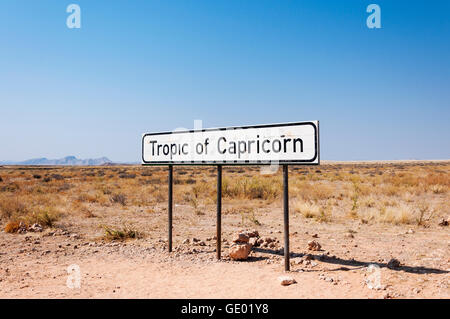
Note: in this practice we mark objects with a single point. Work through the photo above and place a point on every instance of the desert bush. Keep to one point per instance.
(438, 189)
(46, 217)
(146, 174)
(10, 187)
(401, 214)
(153, 181)
(10, 207)
(130, 176)
(436, 179)
(311, 210)
(87, 212)
(190, 181)
(123, 233)
(307, 209)
(57, 177)
(252, 188)
(12, 227)
(86, 197)
(202, 188)
(37, 176)
(119, 198)
(65, 187)
(313, 191)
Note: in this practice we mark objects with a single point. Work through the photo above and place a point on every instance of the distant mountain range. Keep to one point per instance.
(68, 160)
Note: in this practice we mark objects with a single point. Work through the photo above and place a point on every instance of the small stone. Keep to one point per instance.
(393, 263)
(410, 231)
(286, 280)
(186, 241)
(35, 228)
(241, 238)
(251, 234)
(314, 245)
(253, 241)
(349, 235)
(315, 236)
(444, 222)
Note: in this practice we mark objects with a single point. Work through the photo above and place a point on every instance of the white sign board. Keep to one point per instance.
(287, 143)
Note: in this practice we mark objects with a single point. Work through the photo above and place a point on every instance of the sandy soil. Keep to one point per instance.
(35, 265)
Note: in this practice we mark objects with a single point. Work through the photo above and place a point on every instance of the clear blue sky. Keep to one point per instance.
(143, 66)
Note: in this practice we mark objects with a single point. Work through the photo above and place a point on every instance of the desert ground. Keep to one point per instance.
(382, 229)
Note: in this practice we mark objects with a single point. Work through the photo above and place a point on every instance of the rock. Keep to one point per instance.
(239, 251)
(349, 235)
(22, 228)
(186, 241)
(268, 240)
(74, 236)
(241, 238)
(393, 263)
(251, 234)
(253, 241)
(286, 280)
(314, 245)
(444, 222)
(315, 236)
(195, 240)
(35, 228)
(410, 231)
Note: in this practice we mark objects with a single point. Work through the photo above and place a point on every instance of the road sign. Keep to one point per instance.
(286, 143)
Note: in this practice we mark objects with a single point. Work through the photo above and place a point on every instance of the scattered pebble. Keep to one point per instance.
(286, 280)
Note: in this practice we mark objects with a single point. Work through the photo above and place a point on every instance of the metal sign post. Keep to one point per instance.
(285, 143)
(286, 216)
(170, 200)
(219, 211)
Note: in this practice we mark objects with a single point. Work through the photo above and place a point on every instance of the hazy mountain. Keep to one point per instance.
(68, 160)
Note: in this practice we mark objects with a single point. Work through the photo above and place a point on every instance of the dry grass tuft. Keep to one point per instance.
(256, 187)
(12, 227)
(119, 198)
(123, 233)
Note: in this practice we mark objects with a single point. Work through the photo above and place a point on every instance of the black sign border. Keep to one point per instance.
(236, 162)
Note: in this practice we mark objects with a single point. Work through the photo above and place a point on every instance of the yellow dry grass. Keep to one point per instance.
(375, 193)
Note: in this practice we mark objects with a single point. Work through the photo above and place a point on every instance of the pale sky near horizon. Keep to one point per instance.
(146, 66)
